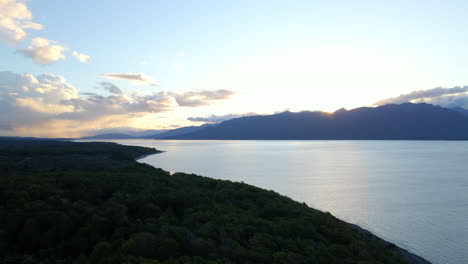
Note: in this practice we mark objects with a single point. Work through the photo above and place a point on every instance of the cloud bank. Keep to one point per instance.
(447, 97)
(46, 105)
(218, 118)
(15, 18)
(133, 77)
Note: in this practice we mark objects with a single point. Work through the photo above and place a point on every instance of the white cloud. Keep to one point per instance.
(200, 98)
(47, 105)
(43, 51)
(81, 57)
(15, 17)
(133, 77)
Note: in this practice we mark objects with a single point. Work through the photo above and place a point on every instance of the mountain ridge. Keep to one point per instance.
(405, 121)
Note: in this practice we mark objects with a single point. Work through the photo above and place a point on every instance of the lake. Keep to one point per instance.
(412, 193)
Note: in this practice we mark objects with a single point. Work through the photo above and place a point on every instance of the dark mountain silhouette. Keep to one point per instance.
(109, 136)
(461, 110)
(144, 133)
(389, 122)
(179, 131)
(157, 134)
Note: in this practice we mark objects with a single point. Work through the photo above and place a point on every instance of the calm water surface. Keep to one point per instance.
(413, 193)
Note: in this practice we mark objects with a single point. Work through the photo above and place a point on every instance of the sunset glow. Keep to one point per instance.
(174, 62)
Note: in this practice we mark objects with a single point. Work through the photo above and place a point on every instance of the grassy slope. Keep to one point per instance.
(126, 212)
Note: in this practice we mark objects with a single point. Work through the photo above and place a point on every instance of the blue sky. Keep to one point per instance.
(272, 55)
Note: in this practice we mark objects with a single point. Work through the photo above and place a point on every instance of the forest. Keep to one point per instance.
(67, 202)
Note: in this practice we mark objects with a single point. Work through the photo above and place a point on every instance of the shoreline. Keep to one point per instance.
(146, 155)
(411, 258)
(408, 256)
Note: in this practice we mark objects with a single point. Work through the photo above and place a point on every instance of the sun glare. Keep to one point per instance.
(319, 78)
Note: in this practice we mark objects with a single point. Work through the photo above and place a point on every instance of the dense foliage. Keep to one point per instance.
(25, 156)
(135, 213)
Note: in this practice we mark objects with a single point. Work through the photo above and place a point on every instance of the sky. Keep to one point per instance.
(75, 68)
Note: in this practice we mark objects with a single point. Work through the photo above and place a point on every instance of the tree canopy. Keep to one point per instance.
(135, 213)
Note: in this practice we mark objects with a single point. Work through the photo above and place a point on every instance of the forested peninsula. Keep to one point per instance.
(68, 202)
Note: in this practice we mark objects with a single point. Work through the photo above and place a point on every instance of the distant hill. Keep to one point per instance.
(389, 122)
(179, 131)
(109, 136)
(148, 134)
(144, 133)
(461, 110)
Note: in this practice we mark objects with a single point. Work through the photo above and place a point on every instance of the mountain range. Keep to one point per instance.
(389, 122)
(406, 121)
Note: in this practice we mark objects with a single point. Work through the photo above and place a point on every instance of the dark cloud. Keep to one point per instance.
(89, 94)
(219, 118)
(110, 87)
(439, 96)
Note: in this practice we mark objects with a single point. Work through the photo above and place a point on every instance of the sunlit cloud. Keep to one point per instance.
(200, 98)
(47, 105)
(133, 77)
(43, 51)
(15, 17)
(81, 57)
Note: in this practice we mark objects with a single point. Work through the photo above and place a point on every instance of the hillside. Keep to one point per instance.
(389, 122)
(148, 134)
(128, 212)
(109, 136)
(178, 131)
